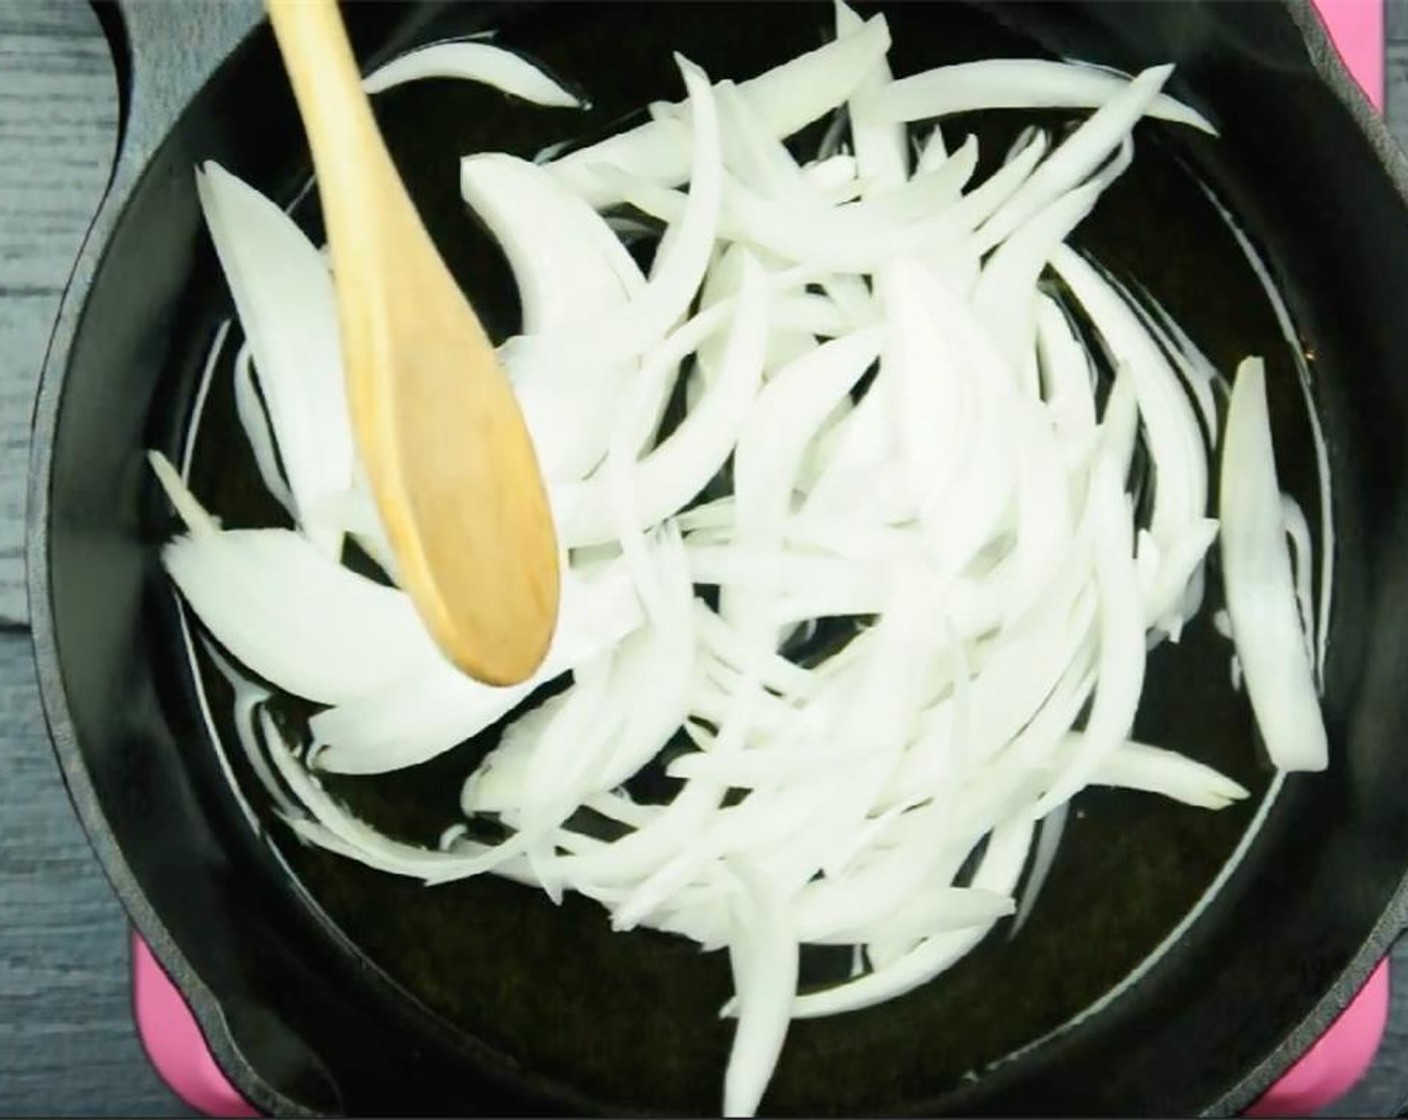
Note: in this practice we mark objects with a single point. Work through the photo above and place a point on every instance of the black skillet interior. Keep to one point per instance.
(345, 990)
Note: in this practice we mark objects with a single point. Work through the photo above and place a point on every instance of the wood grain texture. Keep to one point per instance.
(57, 131)
(67, 1046)
(1396, 21)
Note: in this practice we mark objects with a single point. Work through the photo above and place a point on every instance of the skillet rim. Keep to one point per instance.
(146, 117)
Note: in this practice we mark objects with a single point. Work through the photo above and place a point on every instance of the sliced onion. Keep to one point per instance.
(678, 270)
(1053, 828)
(1169, 774)
(1261, 597)
(254, 419)
(1000, 869)
(356, 838)
(1014, 83)
(881, 147)
(1298, 535)
(758, 159)
(764, 955)
(1180, 496)
(1067, 375)
(421, 715)
(1122, 651)
(788, 98)
(1006, 293)
(484, 63)
(284, 295)
(298, 619)
(890, 442)
(532, 216)
(672, 474)
(1197, 370)
(1080, 154)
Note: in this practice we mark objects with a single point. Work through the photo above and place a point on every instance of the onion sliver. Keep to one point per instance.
(1079, 155)
(1261, 594)
(1013, 83)
(254, 419)
(787, 98)
(475, 62)
(424, 714)
(764, 954)
(881, 147)
(532, 216)
(674, 473)
(1122, 651)
(284, 295)
(1000, 869)
(679, 266)
(297, 618)
(1169, 774)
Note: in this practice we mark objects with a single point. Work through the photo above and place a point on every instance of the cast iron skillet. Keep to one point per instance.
(324, 988)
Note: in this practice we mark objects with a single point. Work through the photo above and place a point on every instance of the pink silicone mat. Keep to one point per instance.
(177, 1050)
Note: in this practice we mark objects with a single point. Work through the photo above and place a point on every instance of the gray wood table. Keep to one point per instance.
(67, 1044)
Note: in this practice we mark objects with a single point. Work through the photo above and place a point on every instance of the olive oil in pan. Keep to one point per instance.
(634, 1016)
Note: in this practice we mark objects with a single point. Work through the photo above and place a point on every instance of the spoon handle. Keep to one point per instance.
(342, 132)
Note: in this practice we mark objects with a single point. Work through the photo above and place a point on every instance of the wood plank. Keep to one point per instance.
(58, 120)
(1396, 20)
(1396, 89)
(67, 1042)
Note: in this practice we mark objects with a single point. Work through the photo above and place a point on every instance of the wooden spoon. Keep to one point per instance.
(438, 428)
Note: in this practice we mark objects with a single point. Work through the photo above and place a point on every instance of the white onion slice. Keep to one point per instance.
(679, 266)
(1006, 293)
(254, 419)
(1053, 828)
(284, 295)
(1261, 596)
(651, 675)
(1168, 774)
(787, 98)
(833, 179)
(1121, 637)
(483, 63)
(673, 473)
(420, 716)
(1175, 442)
(881, 147)
(1079, 155)
(532, 216)
(999, 871)
(1198, 372)
(1298, 535)
(787, 414)
(1014, 83)
(1067, 376)
(751, 152)
(297, 618)
(764, 954)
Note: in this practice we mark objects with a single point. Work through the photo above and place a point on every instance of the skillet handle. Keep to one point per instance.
(163, 52)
